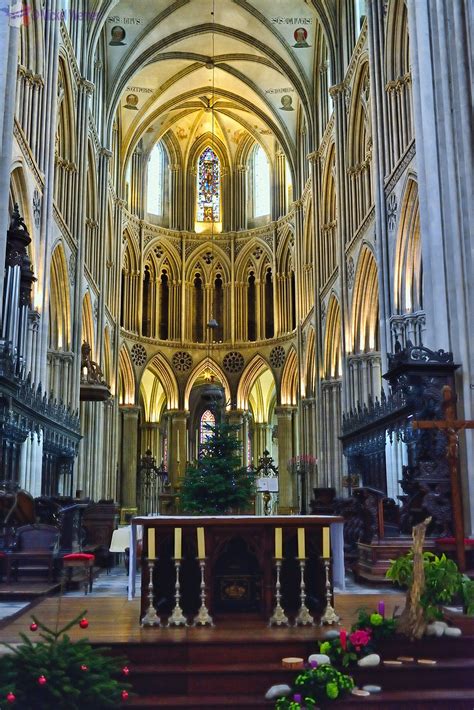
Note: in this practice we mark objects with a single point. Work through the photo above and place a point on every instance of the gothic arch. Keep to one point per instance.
(310, 364)
(211, 365)
(332, 341)
(289, 379)
(408, 268)
(127, 386)
(397, 41)
(359, 125)
(365, 303)
(162, 370)
(88, 323)
(108, 370)
(246, 260)
(256, 367)
(59, 302)
(220, 261)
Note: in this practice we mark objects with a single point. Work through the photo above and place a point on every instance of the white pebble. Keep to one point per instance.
(372, 688)
(277, 691)
(320, 658)
(434, 630)
(373, 659)
(452, 631)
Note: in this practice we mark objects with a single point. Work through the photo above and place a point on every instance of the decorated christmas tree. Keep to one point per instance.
(55, 672)
(218, 483)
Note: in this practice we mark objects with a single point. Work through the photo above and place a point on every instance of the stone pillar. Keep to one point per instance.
(128, 487)
(279, 186)
(177, 445)
(287, 486)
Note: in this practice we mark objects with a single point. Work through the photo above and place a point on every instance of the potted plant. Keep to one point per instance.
(443, 584)
(316, 687)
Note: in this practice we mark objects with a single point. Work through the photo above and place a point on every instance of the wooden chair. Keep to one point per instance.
(35, 551)
(83, 561)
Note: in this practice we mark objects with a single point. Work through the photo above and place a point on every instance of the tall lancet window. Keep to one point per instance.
(208, 422)
(261, 183)
(208, 187)
(155, 180)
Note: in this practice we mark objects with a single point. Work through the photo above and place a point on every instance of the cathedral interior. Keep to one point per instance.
(272, 200)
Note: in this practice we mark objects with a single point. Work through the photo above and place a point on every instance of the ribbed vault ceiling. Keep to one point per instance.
(251, 62)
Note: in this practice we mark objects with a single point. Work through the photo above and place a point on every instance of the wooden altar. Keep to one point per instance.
(240, 554)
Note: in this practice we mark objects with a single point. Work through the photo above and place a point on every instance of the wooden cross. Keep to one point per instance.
(451, 427)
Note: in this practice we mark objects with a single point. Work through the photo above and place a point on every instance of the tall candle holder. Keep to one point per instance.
(329, 616)
(203, 617)
(303, 618)
(177, 617)
(151, 618)
(278, 618)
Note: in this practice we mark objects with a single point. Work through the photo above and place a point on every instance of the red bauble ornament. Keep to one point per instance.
(83, 623)
(125, 670)
(11, 697)
(84, 668)
(124, 694)
(33, 626)
(42, 680)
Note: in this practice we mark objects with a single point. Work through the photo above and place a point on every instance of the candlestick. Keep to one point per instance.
(177, 543)
(151, 544)
(329, 616)
(278, 617)
(301, 544)
(326, 544)
(177, 618)
(150, 618)
(278, 544)
(203, 617)
(201, 543)
(304, 618)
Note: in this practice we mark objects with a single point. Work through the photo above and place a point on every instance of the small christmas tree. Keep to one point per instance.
(58, 673)
(218, 482)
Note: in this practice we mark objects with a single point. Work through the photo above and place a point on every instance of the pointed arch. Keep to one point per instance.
(332, 341)
(161, 369)
(108, 358)
(408, 267)
(88, 323)
(210, 365)
(289, 379)
(310, 365)
(126, 388)
(365, 304)
(59, 302)
(254, 369)
(328, 248)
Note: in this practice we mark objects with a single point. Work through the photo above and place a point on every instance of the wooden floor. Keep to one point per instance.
(116, 620)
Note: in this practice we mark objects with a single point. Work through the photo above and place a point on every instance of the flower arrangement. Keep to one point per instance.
(362, 640)
(316, 685)
(56, 672)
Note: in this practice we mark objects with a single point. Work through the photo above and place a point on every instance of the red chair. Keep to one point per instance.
(83, 561)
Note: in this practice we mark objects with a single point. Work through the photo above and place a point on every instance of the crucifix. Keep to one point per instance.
(451, 427)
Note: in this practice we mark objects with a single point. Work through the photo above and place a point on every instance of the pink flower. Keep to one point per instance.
(359, 638)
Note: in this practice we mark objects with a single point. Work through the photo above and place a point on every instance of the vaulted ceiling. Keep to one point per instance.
(170, 63)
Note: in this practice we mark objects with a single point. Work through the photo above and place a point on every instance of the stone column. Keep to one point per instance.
(177, 445)
(128, 492)
(287, 493)
(279, 186)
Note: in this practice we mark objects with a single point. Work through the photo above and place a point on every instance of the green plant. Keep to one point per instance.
(218, 482)
(380, 626)
(58, 673)
(317, 686)
(443, 581)
(467, 594)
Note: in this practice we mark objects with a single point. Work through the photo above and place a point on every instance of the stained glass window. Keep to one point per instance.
(208, 420)
(208, 187)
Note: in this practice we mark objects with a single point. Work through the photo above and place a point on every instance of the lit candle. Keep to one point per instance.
(201, 544)
(177, 543)
(326, 546)
(278, 544)
(381, 607)
(151, 544)
(343, 638)
(301, 544)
